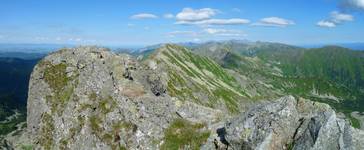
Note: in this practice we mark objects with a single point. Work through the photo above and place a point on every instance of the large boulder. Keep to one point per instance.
(291, 123)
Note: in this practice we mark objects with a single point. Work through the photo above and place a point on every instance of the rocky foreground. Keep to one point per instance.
(90, 98)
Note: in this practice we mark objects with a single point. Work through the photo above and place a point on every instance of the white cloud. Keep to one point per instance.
(75, 39)
(168, 16)
(215, 31)
(204, 17)
(274, 22)
(234, 21)
(326, 24)
(340, 17)
(224, 32)
(130, 25)
(189, 14)
(335, 19)
(356, 4)
(183, 33)
(1, 36)
(236, 10)
(144, 16)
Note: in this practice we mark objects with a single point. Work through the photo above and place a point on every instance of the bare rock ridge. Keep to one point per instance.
(90, 98)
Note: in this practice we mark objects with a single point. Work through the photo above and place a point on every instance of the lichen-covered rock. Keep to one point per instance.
(91, 98)
(86, 98)
(291, 124)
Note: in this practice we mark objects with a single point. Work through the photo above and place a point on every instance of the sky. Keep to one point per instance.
(147, 22)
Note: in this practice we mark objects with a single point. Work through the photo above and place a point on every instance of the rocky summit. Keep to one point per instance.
(91, 98)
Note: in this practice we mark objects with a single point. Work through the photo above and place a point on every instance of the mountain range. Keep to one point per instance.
(172, 96)
(330, 74)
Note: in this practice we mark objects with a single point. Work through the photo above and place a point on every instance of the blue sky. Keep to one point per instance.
(146, 22)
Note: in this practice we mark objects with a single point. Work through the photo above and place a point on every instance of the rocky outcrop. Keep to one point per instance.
(88, 97)
(91, 98)
(290, 123)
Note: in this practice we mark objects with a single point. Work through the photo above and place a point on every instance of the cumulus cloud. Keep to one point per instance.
(233, 21)
(189, 14)
(144, 16)
(341, 17)
(204, 17)
(355, 4)
(168, 16)
(274, 22)
(327, 24)
(335, 19)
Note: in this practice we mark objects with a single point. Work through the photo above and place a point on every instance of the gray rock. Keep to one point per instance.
(292, 124)
(91, 98)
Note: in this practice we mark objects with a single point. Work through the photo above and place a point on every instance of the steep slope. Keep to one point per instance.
(341, 69)
(333, 63)
(14, 75)
(200, 79)
(331, 74)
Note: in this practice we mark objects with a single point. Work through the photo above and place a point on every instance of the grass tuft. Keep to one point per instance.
(183, 134)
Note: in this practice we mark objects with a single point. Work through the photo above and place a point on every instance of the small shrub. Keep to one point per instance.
(95, 124)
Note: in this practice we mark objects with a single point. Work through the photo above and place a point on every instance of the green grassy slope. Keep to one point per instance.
(331, 74)
(198, 78)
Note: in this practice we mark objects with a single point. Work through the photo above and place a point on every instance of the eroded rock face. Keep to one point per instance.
(292, 124)
(82, 98)
(90, 98)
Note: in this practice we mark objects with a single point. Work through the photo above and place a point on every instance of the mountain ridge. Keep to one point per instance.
(90, 97)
